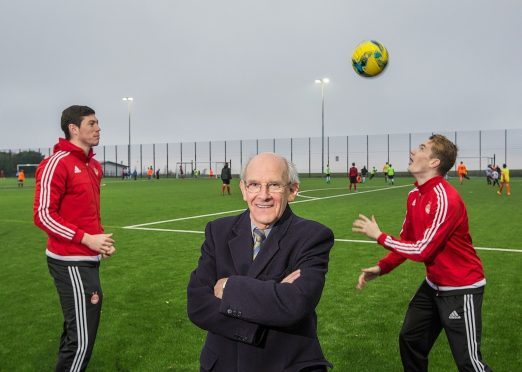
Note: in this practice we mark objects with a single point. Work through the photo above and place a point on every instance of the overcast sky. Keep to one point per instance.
(240, 69)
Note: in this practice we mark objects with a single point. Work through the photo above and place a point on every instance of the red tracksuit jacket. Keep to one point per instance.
(67, 201)
(436, 232)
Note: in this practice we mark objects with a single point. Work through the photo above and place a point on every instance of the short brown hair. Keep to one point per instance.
(444, 150)
(74, 115)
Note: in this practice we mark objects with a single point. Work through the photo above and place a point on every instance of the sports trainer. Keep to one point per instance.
(435, 232)
(260, 277)
(226, 176)
(67, 208)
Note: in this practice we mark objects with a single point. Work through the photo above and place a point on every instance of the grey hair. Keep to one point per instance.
(291, 170)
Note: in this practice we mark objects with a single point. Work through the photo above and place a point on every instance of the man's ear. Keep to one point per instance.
(294, 189)
(434, 163)
(243, 190)
(73, 129)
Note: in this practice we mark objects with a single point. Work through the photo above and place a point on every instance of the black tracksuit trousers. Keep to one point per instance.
(458, 313)
(78, 286)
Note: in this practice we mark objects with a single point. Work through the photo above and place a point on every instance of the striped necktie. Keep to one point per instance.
(259, 237)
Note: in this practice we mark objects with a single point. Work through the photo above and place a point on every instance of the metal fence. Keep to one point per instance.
(477, 149)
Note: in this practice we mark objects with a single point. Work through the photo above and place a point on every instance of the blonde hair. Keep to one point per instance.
(444, 150)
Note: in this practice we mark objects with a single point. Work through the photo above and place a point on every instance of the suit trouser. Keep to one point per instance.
(78, 286)
(458, 313)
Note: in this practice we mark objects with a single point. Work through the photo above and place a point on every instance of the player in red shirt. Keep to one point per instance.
(67, 208)
(435, 232)
(352, 175)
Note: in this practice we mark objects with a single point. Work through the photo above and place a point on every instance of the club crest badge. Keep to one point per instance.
(95, 171)
(95, 298)
(428, 208)
(414, 203)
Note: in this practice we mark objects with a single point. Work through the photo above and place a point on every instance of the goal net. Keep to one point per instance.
(199, 169)
(475, 162)
(29, 169)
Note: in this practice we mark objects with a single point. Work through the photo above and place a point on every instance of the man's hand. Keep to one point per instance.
(219, 287)
(366, 226)
(290, 278)
(368, 274)
(109, 253)
(101, 243)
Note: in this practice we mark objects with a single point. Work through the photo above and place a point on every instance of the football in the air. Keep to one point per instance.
(369, 58)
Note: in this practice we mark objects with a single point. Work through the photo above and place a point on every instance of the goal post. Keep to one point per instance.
(475, 162)
(200, 168)
(218, 165)
(29, 169)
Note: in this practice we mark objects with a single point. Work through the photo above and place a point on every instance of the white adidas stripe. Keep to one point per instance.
(81, 318)
(47, 179)
(440, 215)
(45, 194)
(45, 198)
(471, 333)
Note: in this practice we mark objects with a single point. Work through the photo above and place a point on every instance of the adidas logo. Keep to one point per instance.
(454, 315)
(77, 170)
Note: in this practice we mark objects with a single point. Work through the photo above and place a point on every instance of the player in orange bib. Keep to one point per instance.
(462, 171)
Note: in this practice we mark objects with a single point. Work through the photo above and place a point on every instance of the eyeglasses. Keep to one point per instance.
(272, 187)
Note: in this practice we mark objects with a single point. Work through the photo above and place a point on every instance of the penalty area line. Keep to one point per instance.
(307, 199)
(183, 219)
(165, 230)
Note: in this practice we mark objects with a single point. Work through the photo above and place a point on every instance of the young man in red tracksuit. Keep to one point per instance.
(67, 208)
(435, 232)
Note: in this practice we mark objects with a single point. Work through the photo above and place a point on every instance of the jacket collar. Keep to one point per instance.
(65, 145)
(429, 184)
(241, 244)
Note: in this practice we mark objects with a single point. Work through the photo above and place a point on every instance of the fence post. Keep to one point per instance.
(309, 158)
(167, 159)
(328, 150)
(367, 153)
(347, 155)
(388, 136)
(480, 150)
(154, 157)
(291, 150)
(210, 156)
(505, 146)
(455, 145)
(241, 154)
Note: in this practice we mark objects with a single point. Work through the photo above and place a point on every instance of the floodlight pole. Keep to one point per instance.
(129, 100)
(322, 82)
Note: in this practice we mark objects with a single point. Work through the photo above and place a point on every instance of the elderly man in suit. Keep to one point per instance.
(260, 277)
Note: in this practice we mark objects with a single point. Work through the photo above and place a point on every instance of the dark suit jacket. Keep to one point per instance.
(260, 324)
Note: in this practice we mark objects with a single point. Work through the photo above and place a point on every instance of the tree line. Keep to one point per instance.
(9, 160)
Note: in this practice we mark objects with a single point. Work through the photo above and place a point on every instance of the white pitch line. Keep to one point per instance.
(348, 194)
(166, 230)
(308, 197)
(183, 218)
(241, 210)
(499, 249)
